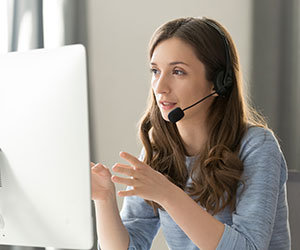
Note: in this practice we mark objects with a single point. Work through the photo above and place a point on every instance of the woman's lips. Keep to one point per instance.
(167, 105)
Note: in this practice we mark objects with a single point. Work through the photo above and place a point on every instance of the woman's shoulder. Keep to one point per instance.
(258, 132)
(260, 152)
(259, 138)
(260, 143)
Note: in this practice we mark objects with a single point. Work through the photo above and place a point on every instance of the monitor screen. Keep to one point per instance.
(45, 191)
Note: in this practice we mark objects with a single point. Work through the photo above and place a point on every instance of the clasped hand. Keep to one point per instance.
(145, 181)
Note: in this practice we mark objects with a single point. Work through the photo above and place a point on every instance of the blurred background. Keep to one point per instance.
(116, 35)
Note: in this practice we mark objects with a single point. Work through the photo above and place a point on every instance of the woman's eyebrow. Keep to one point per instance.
(178, 62)
(172, 63)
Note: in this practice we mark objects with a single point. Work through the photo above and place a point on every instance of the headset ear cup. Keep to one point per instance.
(218, 82)
(228, 82)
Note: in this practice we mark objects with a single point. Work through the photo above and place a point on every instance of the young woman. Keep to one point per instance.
(214, 178)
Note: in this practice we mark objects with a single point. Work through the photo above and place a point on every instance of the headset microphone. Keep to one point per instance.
(177, 114)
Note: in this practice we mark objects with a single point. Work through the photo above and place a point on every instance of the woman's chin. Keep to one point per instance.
(165, 115)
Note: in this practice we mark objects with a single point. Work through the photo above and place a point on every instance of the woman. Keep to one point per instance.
(214, 178)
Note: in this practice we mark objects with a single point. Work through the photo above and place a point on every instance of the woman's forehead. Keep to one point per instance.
(174, 51)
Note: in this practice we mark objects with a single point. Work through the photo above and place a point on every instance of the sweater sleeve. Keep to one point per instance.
(140, 221)
(264, 179)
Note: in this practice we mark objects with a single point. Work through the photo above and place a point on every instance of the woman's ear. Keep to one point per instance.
(214, 90)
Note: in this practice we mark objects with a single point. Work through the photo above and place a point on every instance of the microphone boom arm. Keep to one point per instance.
(200, 101)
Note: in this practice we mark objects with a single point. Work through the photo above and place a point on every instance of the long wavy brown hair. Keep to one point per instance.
(218, 170)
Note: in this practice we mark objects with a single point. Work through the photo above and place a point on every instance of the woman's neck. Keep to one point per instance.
(194, 135)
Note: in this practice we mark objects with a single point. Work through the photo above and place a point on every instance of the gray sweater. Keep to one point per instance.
(260, 220)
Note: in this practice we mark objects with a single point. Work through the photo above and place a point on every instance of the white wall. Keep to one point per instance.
(119, 32)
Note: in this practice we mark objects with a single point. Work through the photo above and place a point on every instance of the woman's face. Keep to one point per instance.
(178, 79)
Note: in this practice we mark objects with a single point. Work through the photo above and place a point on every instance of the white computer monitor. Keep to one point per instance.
(45, 191)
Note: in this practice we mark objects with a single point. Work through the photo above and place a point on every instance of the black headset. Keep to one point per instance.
(223, 80)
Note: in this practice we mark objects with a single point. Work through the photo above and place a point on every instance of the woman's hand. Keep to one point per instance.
(102, 186)
(145, 181)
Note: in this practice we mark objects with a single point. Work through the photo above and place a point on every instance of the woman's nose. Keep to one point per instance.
(161, 85)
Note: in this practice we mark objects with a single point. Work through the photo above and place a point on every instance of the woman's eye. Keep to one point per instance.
(178, 72)
(154, 71)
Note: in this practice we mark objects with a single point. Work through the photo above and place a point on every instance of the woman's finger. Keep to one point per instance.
(98, 167)
(131, 159)
(123, 169)
(127, 193)
(120, 180)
